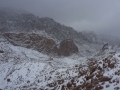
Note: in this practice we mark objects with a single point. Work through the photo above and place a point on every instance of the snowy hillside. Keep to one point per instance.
(12, 22)
(41, 54)
(26, 69)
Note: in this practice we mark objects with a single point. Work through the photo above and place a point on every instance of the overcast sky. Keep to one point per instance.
(90, 15)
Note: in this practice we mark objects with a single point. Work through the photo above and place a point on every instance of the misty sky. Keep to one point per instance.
(90, 15)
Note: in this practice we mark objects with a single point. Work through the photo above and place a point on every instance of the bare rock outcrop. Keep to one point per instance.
(68, 47)
(42, 44)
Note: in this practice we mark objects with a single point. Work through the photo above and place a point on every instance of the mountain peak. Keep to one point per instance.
(29, 23)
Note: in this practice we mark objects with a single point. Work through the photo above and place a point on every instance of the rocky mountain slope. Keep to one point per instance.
(29, 50)
(27, 23)
(27, 69)
(42, 44)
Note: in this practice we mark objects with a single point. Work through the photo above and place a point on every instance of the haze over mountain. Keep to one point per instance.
(91, 15)
(29, 24)
(24, 22)
(37, 52)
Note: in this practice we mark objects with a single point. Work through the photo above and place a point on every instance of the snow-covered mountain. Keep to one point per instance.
(27, 69)
(92, 37)
(41, 54)
(113, 40)
(30, 24)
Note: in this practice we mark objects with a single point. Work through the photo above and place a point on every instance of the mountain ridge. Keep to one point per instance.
(84, 62)
(28, 22)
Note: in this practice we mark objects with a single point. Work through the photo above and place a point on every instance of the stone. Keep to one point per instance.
(68, 47)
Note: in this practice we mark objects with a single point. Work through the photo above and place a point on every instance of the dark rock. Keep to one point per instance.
(67, 47)
(42, 44)
(1, 51)
(60, 81)
(94, 81)
(99, 87)
(107, 86)
(105, 46)
(77, 87)
(63, 87)
(69, 85)
(33, 41)
(25, 87)
(89, 76)
(52, 84)
(89, 86)
(117, 88)
(104, 78)
(8, 80)
(28, 81)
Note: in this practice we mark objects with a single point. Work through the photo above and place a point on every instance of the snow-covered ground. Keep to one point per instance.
(21, 65)
(25, 69)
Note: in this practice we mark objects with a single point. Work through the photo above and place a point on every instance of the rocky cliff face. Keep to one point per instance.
(68, 47)
(42, 44)
(30, 23)
(26, 28)
(92, 37)
(33, 41)
(27, 22)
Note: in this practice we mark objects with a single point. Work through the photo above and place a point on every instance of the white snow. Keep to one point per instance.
(21, 67)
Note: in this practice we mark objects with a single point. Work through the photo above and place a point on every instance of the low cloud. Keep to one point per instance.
(101, 16)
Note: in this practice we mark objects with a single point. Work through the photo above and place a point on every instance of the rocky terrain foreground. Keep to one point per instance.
(27, 69)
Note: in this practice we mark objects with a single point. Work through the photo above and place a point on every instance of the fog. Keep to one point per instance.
(101, 16)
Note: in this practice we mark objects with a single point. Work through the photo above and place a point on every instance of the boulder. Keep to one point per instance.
(68, 47)
(1, 51)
